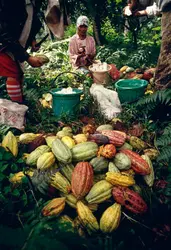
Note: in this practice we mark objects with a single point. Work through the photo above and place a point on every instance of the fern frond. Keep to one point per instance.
(165, 154)
(167, 129)
(164, 140)
(31, 95)
(162, 96)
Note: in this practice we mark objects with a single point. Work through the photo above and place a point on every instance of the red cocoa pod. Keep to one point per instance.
(99, 139)
(115, 137)
(138, 164)
(82, 179)
(129, 199)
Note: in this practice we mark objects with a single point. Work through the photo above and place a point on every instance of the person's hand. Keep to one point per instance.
(127, 11)
(35, 61)
(140, 13)
(34, 48)
(81, 55)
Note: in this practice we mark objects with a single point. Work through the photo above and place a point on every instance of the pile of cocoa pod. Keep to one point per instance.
(97, 166)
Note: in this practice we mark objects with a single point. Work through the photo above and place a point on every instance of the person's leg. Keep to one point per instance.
(10, 69)
(14, 89)
(163, 70)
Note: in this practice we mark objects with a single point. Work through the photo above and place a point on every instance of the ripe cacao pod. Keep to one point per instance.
(34, 155)
(66, 170)
(68, 141)
(149, 178)
(87, 218)
(80, 138)
(116, 137)
(99, 164)
(84, 151)
(113, 168)
(38, 141)
(108, 151)
(101, 191)
(10, 143)
(54, 207)
(110, 218)
(26, 138)
(138, 164)
(46, 160)
(61, 183)
(61, 151)
(88, 129)
(50, 139)
(82, 179)
(104, 127)
(117, 179)
(122, 161)
(151, 153)
(137, 143)
(130, 199)
(126, 146)
(98, 138)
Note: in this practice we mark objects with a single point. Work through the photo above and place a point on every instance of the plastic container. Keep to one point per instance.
(100, 77)
(12, 114)
(130, 90)
(65, 103)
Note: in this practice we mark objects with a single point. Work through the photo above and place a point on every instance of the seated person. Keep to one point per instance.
(82, 48)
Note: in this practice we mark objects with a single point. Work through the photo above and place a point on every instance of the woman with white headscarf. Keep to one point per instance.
(82, 48)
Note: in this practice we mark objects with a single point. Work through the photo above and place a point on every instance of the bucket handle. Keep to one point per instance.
(66, 72)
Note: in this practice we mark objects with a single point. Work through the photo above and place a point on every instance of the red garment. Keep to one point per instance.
(10, 69)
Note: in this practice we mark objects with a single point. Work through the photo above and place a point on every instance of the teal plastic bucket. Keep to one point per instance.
(65, 103)
(130, 90)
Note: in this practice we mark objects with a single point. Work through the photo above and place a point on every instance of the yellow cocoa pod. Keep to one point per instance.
(110, 218)
(61, 183)
(80, 138)
(137, 143)
(34, 155)
(50, 139)
(123, 69)
(26, 138)
(68, 141)
(17, 178)
(10, 143)
(62, 133)
(119, 180)
(46, 161)
(152, 153)
(101, 191)
(87, 218)
(149, 178)
(54, 207)
(67, 129)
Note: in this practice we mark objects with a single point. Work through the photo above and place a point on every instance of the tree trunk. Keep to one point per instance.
(97, 30)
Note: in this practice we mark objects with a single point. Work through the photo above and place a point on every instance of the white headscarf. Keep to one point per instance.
(82, 20)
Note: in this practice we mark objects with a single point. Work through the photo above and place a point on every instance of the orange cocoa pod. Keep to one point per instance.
(82, 179)
(108, 151)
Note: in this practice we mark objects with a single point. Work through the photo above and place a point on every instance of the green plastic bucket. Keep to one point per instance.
(130, 90)
(65, 103)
